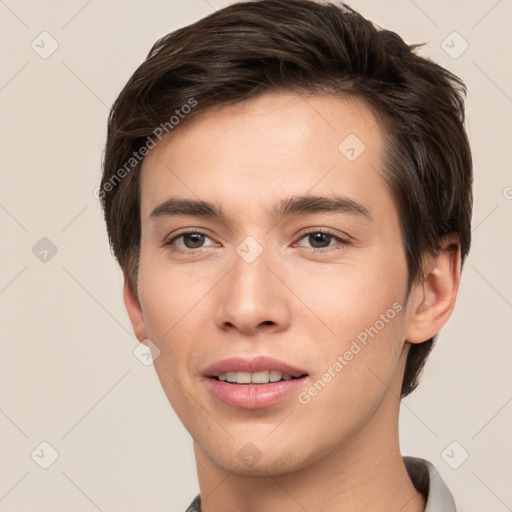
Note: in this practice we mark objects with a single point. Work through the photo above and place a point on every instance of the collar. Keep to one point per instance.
(428, 481)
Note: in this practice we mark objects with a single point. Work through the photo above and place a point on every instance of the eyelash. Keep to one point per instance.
(342, 241)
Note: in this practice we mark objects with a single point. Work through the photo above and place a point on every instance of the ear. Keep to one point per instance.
(432, 300)
(134, 310)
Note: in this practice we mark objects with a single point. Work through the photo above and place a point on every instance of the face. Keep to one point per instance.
(292, 265)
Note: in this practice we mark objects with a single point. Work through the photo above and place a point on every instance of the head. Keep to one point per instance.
(234, 117)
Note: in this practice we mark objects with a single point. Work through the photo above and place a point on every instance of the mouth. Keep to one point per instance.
(253, 383)
(258, 378)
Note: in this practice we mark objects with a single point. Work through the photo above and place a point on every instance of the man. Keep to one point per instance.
(288, 192)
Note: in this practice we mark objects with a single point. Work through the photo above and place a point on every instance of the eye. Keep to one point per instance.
(189, 240)
(320, 239)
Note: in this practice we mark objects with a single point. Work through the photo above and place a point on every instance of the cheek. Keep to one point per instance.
(363, 322)
(356, 371)
(168, 293)
(351, 296)
(169, 305)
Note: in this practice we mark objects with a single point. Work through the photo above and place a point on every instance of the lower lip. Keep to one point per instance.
(253, 396)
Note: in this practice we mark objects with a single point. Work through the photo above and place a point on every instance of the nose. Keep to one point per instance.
(252, 298)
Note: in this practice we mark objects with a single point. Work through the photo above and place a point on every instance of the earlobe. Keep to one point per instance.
(433, 299)
(134, 311)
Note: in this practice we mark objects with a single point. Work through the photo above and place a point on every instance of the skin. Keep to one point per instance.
(340, 450)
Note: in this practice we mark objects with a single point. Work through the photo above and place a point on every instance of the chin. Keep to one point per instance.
(266, 466)
(253, 458)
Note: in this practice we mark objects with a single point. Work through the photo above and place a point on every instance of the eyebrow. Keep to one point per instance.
(295, 205)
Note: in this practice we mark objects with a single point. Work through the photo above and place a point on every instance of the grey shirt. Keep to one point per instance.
(423, 475)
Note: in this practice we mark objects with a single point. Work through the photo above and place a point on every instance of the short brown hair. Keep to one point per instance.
(305, 47)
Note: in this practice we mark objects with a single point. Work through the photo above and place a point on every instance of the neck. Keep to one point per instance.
(365, 472)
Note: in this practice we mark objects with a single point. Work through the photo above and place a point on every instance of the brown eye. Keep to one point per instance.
(320, 240)
(193, 240)
(189, 240)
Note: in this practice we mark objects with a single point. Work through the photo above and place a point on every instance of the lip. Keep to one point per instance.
(253, 396)
(256, 364)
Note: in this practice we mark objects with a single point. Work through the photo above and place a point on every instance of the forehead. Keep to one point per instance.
(275, 145)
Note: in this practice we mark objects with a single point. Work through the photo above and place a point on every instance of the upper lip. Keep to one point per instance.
(252, 365)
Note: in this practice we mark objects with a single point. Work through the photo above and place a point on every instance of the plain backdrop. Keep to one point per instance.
(68, 375)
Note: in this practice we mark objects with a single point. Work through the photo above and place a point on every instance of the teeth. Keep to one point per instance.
(243, 377)
(263, 377)
(275, 375)
(260, 377)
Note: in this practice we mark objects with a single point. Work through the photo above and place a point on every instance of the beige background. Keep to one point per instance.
(68, 375)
